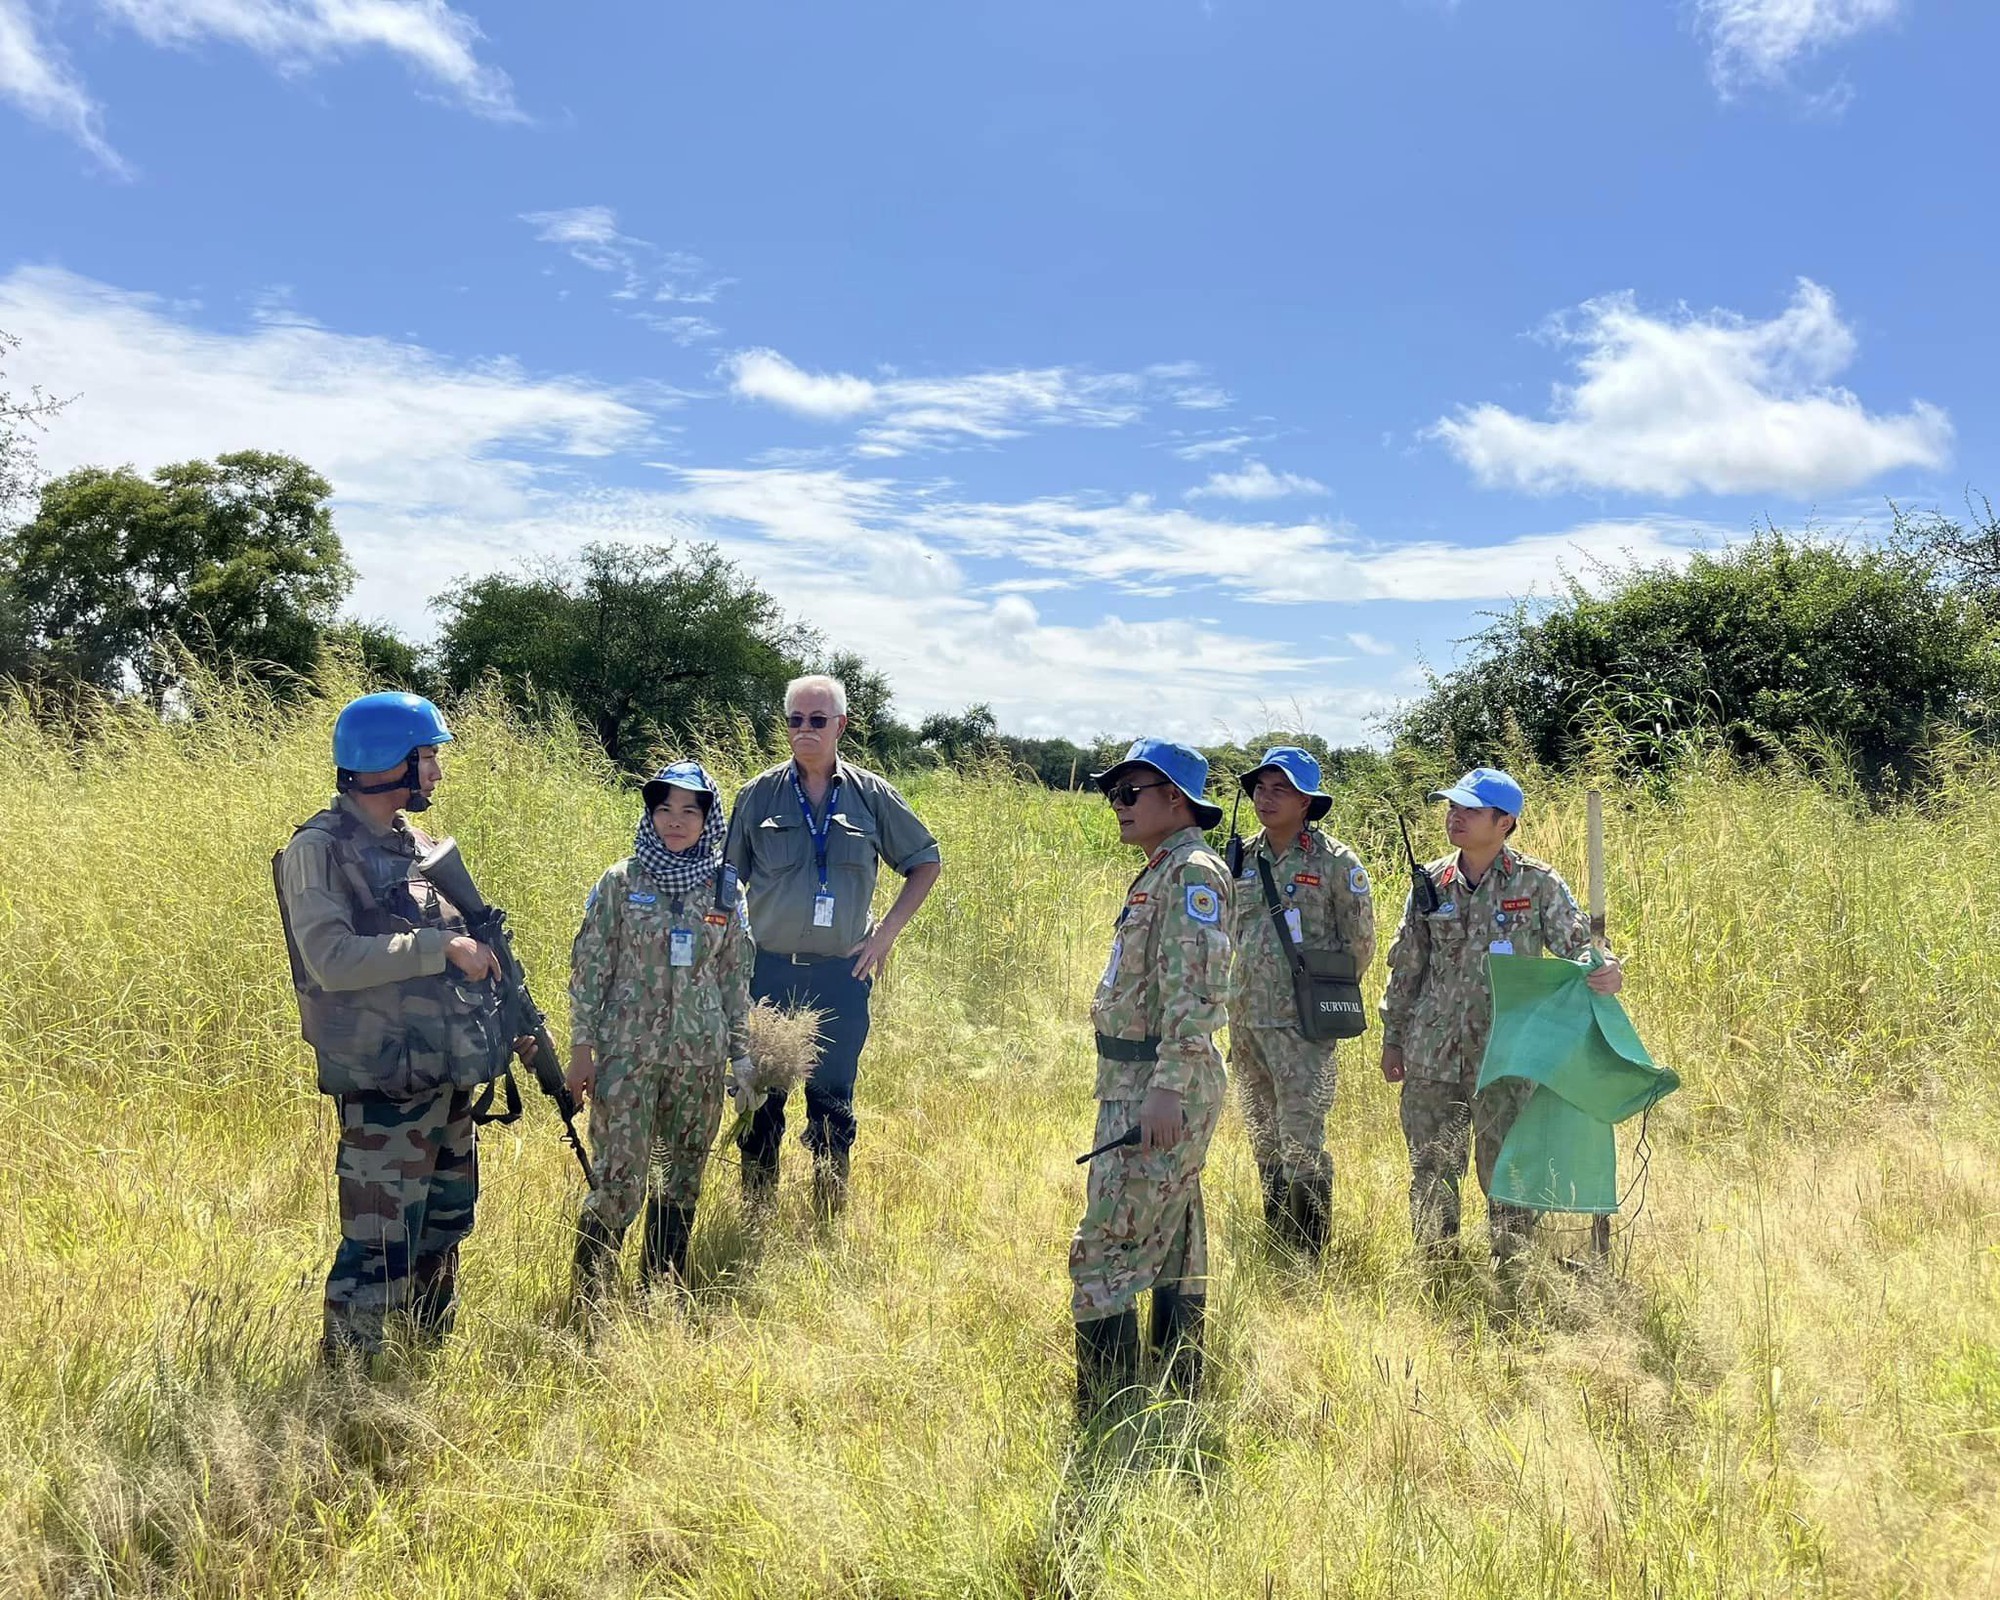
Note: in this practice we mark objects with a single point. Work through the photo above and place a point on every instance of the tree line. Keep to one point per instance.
(115, 583)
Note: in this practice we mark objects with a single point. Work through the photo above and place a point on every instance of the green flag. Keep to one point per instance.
(1590, 1073)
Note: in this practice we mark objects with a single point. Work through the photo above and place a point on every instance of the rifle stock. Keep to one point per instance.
(444, 869)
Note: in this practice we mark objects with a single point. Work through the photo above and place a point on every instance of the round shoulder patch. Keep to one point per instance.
(1357, 879)
(1203, 903)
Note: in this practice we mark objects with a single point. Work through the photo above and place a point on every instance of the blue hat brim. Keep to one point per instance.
(1320, 802)
(1207, 815)
(1466, 797)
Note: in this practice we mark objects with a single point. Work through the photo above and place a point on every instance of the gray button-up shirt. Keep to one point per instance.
(771, 848)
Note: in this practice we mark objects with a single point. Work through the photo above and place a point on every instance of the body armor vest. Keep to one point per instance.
(412, 1037)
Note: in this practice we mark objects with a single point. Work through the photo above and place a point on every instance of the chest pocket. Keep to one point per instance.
(779, 845)
(1447, 930)
(850, 843)
(1137, 929)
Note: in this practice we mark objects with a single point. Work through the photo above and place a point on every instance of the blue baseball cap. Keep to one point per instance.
(1484, 786)
(1186, 769)
(1301, 772)
(689, 775)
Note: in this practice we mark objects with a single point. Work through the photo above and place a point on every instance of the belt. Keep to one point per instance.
(797, 960)
(1110, 1049)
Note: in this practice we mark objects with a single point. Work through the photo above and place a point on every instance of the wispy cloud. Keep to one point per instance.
(1255, 481)
(1202, 449)
(294, 36)
(902, 415)
(645, 273)
(1757, 43)
(1673, 404)
(36, 76)
(1369, 645)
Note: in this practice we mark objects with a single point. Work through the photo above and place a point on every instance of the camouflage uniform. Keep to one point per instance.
(663, 1035)
(400, 1041)
(1438, 1009)
(1285, 1081)
(1162, 990)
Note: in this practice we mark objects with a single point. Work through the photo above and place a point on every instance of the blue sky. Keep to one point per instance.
(1169, 366)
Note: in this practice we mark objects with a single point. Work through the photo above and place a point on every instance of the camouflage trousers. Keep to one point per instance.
(659, 1114)
(1142, 1218)
(1440, 1120)
(1284, 1086)
(408, 1173)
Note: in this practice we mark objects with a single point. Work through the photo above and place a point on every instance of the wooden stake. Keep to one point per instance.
(1600, 1227)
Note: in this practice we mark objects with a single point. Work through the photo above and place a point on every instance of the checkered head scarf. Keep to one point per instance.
(681, 872)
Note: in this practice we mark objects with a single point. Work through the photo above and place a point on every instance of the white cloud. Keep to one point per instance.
(297, 34)
(1369, 645)
(1671, 405)
(35, 75)
(767, 376)
(1255, 481)
(293, 35)
(1756, 43)
(645, 272)
(388, 423)
(905, 415)
(1201, 449)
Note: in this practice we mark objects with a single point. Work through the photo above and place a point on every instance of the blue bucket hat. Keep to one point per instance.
(1184, 768)
(1484, 786)
(689, 775)
(1301, 772)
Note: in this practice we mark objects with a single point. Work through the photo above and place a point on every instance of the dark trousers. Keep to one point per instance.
(831, 987)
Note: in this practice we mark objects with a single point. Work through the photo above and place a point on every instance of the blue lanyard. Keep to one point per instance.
(820, 827)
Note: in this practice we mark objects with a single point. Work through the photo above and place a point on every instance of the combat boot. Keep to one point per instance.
(663, 1252)
(1176, 1330)
(830, 1169)
(434, 1299)
(596, 1263)
(1107, 1366)
(1311, 1209)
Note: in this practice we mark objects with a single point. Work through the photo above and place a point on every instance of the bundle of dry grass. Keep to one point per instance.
(784, 1045)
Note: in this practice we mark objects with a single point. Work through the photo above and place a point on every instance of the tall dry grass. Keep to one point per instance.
(1793, 1388)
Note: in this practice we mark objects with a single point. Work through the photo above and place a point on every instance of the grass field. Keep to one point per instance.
(1791, 1388)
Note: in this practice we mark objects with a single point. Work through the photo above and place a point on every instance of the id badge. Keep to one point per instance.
(1295, 924)
(680, 948)
(822, 911)
(1111, 967)
(1500, 947)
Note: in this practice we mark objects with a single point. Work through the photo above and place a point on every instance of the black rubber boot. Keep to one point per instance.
(1273, 1180)
(1107, 1366)
(1311, 1208)
(595, 1266)
(663, 1252)
(759, 1148)
(1176, 1329)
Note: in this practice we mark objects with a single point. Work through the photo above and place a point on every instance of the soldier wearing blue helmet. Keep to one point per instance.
(1159, 1086)
(400, 1006)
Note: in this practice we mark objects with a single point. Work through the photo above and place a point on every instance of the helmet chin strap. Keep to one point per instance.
(416, 799)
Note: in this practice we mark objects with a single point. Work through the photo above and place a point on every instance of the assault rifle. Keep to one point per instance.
(445, 871)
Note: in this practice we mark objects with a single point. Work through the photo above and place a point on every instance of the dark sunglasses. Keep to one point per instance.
(796, 720)
(1127, 794)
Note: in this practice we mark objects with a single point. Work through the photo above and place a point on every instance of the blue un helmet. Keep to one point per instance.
(377, 732)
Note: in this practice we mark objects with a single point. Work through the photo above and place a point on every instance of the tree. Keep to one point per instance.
(1775, 645)
(235, 560)
(387, 660)
(19, 420)
(964, 736)
(645, 642)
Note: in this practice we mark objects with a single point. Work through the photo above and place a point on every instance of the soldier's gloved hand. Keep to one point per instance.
(741, 1072)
